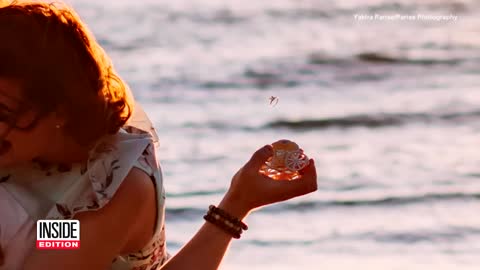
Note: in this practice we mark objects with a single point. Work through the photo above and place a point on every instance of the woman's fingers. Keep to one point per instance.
(309, 176)
(309, 169)
(255, 189)
(306, 184)
(260, 157)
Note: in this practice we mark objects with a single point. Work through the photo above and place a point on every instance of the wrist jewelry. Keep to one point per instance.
(225, 221)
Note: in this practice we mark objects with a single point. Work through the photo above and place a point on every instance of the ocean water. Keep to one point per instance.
(389, 109)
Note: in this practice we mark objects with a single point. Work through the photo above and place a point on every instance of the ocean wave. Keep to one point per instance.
(322, 70)
(317, 69)
(381, 58)
(196, 193)
(374, 120)
(388, 201)
(184, 213)
(450, 235)
(253, 78)
(383, 201)
(439, 235)
(216, 125)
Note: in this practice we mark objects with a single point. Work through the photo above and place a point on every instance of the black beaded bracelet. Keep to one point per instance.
(225, 221)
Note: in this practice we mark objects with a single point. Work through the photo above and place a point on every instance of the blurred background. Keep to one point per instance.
(390, 110)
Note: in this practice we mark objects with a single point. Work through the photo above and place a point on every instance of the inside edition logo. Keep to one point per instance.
(58, 234)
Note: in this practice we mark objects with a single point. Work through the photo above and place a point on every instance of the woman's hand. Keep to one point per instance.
(250, 189)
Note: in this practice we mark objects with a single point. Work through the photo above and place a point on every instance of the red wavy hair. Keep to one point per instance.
(60, 66)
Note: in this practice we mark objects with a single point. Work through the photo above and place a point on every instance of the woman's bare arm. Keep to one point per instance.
(249, 190)
(108, 231)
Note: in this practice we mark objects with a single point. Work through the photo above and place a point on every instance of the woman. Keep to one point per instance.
(69, 148)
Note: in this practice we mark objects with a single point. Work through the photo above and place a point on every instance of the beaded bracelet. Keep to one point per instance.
(225, 221)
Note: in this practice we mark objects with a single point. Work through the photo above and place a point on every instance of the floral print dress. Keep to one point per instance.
(39, 191)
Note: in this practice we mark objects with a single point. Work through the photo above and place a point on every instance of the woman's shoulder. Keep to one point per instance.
(129, 216)
(118, 188)
(47, 192)
(111, 162)
(113, 229)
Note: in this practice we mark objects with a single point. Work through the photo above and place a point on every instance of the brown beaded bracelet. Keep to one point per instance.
(225, 221)
(227, 216)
